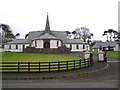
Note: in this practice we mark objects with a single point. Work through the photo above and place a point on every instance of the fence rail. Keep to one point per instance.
(44, 66)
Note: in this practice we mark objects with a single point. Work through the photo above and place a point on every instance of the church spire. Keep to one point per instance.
(47, 27)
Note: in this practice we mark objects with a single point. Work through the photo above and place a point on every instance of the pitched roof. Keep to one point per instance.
(59, 35)
(46, 36)
(47, 28)
(19, 41)
(74, 41)
(105, 44)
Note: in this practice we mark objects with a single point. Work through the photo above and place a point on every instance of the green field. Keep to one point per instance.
(31, 57)
(112, 54)
(34, 60)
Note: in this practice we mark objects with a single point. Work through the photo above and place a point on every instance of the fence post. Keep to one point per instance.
(58, 66)
(105, 57)
(74, 64)
(39, 67)
(67, 65)
(79, 64)
(18, 67)
(28, 66)
(49, 66)
(91, 58)
(84, 62)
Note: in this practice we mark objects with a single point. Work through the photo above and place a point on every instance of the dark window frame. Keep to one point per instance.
(9, 46)
(57, 43)
(16, 47)
(83, 46)
(77, 46)
(35, 43)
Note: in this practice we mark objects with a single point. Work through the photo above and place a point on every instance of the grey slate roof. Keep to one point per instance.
(59, 35)
(46, 36)
(74, 41)
(19, 41)
(105, 44)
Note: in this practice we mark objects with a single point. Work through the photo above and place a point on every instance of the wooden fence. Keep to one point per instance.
(38, 67)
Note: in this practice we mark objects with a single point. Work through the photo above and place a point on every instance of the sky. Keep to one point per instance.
(24, 16)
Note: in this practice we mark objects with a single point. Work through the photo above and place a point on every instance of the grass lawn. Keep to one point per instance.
(31, 57)
(112, 54)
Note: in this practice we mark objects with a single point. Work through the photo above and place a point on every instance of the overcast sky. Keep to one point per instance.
(64, 15)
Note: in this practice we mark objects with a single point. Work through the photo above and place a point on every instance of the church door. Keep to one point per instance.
(46, 44)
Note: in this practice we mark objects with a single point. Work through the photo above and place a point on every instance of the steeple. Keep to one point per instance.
(47, 27)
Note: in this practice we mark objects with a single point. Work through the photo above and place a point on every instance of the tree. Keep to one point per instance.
(85, 33)
(68, 34)
(74, 33)
(82, 33)
(105, 34)
(26, 36)
(18, 34)
(7, 34)
(115, 34)
(110, 31)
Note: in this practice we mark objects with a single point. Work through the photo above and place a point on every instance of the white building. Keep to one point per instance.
(46, 39)
(107, 46)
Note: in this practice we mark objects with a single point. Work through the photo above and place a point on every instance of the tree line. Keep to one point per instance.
(82, 33)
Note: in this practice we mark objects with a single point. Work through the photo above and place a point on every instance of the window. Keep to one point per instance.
(70, 46)
(9, 46)
(23, 46)
(83, 46)
(77, 46)
(35, 43)
(16, 46)
(57, 43)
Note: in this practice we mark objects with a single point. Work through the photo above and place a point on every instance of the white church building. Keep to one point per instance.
(46, 40)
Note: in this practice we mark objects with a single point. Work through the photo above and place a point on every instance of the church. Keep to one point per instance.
(46, 41)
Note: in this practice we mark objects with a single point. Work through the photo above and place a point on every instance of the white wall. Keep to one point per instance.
(53, 44)
(39, 44)
(80, 47)
(59, 43)
(13, 47)
(117, 47)
(1, 50)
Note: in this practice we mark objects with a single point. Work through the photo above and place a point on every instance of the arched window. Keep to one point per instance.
(70, 46)
(16, 46)
(57, 43)
(77, 46)
(35, 43)
(9, 46)
(23, 46)
(83, 46)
